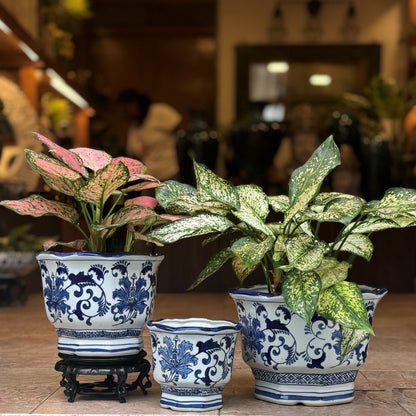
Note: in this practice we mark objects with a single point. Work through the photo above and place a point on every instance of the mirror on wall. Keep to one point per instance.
(274, 79)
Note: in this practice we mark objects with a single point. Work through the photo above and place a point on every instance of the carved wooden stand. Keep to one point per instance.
(71, 366)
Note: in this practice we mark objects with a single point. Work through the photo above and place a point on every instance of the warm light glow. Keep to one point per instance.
(29, 52)
(320, 80)
(4, 28)
(57, 82)
(277, 67)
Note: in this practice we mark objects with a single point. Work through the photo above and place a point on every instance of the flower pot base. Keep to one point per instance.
(71, 366)
(191, 399)
(99, 343)
(304, 388)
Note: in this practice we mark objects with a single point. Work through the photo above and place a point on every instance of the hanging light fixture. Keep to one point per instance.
(277, 27)
(350, 28)
(313, 28)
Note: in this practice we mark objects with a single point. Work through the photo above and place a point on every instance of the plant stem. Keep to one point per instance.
(266, 275)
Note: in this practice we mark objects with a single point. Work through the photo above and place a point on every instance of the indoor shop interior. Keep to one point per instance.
(234, 93)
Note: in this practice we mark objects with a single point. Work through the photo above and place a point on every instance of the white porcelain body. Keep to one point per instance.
(293, 362)
(99, 303)
(192, 361)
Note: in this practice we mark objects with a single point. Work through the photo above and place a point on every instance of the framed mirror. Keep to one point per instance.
(274, 79)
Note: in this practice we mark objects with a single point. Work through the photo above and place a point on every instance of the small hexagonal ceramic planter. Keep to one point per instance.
(192, 361)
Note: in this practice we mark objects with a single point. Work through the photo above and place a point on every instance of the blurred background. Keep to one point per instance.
(249, 88)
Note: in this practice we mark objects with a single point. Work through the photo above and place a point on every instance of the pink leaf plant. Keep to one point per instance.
(100, 186)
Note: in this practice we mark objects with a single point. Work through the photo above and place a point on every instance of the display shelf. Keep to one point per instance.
(23, 58)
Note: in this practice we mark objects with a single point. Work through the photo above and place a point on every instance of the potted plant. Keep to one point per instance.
(99, 296)
(305, 331)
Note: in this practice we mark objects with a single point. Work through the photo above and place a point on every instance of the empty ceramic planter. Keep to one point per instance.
(192, 361)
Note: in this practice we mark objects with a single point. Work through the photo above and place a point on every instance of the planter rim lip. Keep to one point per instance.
(260, 291)
(53, 255)
(193, 326)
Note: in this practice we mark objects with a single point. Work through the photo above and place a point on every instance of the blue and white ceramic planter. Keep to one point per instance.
(293, 362)
(99, 303)
(192, 361)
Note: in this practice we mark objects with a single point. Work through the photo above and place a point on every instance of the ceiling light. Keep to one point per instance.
(4, 28)
(320, 80)
(59, 84)
(29, 52)
(277, 67)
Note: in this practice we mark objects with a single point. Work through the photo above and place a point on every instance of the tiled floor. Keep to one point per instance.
(386, 386)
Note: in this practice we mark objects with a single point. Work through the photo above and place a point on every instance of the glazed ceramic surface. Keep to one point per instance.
(192, 361)
(293, 362)
(98, 303)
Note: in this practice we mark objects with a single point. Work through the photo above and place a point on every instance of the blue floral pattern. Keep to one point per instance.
(209, 361)
(81, 296)
(267, 336)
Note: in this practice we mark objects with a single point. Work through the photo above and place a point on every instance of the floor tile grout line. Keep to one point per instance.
(44, 401)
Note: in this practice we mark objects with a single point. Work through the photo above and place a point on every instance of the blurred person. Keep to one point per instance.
(150, 136)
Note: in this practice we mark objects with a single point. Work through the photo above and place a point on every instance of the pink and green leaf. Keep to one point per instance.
(92, 159)
(135, 167)
(98, 189)
(78, 245)
(144, 185)
(143, 201)
(37, 206)
(55, 174)
(66, 156)
(130, 214)
(143, 237)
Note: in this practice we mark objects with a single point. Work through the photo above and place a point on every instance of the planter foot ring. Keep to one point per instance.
(70, 366)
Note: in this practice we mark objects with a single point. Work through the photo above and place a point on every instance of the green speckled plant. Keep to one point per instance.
(295, 260)
(99, 187)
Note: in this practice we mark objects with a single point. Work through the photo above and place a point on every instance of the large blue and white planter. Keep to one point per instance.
(293, 362)
(192, 361)
(99, 303)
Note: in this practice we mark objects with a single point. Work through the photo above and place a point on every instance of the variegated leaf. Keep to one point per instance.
(77, 245)
(65, 156)
(142, 186)
(395, 203)
(130, 214)
(302, 201)
(370, 225)
(178, 198)
(304, 252)
(172, 191)
(199, 224)
(279, 203)
(250, 251)
(142, 201)
(279, 248)
(241, 271)
(351, 339)
(275, 227)
(135, 167)
(100, 188)
(331, 271)
(358, 244)
(333, 207)
(92, 159)
(211, 187)
(253, 221)
(301, 292)
(55, 174)
(325, 158)
(343, 303)
(37, 206)
(254, 200)
(143, 237)
(214, 264)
